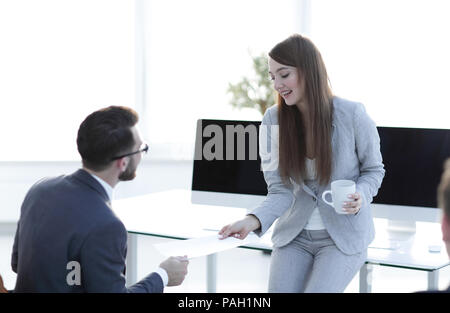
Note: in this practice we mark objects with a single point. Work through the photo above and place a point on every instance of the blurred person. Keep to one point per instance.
(444, 204)
(443, 197)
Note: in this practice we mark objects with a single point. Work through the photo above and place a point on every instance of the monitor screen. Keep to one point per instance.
(227, 158)
(413, 160)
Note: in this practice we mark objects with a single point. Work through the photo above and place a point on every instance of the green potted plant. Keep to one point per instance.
(256, 92)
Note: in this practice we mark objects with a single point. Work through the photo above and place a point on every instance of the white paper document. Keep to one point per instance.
(202, 246)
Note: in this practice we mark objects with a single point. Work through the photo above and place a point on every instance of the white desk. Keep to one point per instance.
(171, 214)
(408, 251)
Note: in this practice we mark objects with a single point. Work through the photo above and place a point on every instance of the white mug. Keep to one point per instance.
(340, 189)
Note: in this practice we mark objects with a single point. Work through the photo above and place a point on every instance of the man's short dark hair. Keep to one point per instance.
(444, 189)
(104, 134)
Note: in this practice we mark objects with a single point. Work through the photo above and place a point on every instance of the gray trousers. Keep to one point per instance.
(312, 263)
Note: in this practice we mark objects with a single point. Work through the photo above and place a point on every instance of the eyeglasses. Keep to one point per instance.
(143, 149)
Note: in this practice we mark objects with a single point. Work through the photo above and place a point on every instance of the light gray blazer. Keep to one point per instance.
(356, 156)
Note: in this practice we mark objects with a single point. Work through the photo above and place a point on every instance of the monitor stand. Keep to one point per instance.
(401, 230)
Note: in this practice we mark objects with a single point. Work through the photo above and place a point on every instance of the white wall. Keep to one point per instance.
(152, 176)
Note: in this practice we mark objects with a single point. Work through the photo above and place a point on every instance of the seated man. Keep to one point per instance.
(68, 239)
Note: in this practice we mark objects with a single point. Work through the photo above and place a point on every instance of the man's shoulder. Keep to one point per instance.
(49, 181)
(56, 186)
(79, 200)
(44, 185)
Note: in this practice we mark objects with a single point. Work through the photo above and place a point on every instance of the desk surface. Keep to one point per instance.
(171, 214)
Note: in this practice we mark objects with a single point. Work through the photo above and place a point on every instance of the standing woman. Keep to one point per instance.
(320, 138)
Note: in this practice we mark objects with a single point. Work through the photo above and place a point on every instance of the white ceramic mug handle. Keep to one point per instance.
(324, 195)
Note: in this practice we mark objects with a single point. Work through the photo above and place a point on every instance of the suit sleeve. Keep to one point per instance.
(15, 251)
(103, 263)
(279, 197)
(370, 160)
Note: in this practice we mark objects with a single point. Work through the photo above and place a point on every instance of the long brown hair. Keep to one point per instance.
(301, 53)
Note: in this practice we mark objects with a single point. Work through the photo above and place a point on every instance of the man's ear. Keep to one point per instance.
(122, 163)
(445, 226)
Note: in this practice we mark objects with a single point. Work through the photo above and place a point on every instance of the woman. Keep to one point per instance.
(321, 138)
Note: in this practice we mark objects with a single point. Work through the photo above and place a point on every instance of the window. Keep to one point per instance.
(391, 55)
(60, 60)
(193, 50)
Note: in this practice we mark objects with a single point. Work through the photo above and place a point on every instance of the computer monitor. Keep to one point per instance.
(227, 166)
(413, 159)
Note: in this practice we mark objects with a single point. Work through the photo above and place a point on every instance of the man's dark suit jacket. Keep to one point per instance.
(65, 219)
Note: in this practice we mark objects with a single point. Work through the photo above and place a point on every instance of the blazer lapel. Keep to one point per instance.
(334, 148)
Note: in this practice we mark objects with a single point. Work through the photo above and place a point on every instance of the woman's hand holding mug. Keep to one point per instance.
(345, 199)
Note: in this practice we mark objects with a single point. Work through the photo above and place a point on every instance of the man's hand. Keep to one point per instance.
(176, 268)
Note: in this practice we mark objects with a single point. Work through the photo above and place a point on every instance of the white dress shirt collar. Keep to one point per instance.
(109, 190)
